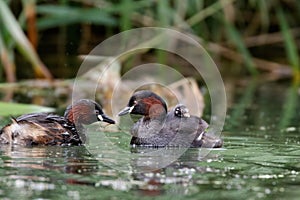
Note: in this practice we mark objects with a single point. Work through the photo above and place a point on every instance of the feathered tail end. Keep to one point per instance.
(6, 133)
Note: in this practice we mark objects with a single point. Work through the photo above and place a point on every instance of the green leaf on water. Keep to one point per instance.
(13, 109)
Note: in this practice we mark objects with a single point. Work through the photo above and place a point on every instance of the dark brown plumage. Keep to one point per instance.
(158, 128)
(51, 129)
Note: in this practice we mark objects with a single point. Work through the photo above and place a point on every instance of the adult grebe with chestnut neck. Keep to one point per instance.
(51, 129)
(158, 128)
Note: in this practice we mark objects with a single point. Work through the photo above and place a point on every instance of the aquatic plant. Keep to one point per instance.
(245, 32)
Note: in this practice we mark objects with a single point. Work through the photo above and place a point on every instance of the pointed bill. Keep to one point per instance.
(104, 118)
(126, 110)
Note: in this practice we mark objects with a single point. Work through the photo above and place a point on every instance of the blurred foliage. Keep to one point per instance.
(235, 30)
(11, 109)
(11, 37)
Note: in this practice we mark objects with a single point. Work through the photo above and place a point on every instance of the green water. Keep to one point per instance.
(260, 160)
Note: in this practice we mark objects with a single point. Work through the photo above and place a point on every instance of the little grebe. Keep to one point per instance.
(180, 111)
(158, 128)
(51, 129)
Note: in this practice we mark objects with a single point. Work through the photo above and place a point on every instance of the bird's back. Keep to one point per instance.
(39, 129)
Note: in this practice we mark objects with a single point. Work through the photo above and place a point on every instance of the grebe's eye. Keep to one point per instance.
(97, 112)
(135, 102)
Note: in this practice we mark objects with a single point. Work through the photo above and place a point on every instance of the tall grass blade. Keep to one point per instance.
(57, 15)
(290, 107)
(6, 61)
(290, 44)
(236, 38)
(263, 10)
(209, 11)
(245, 101)
(164, 11)
(22, 43)
(125, 21)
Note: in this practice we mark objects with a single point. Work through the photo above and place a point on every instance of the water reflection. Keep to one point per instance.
(178, 173)
(260, 160)
(107, 149)
(75, 160)
(42, 168)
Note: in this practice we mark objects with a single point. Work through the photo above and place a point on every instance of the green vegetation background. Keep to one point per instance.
(259, 36)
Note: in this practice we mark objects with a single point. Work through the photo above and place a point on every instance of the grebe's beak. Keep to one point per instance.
(104, 118)
(186, 113)
(126, 110)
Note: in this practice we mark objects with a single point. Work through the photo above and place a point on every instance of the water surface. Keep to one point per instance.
(260, 160)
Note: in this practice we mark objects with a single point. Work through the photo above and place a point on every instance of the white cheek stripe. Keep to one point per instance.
(200, 136)
(100, 117)
(131, 108)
